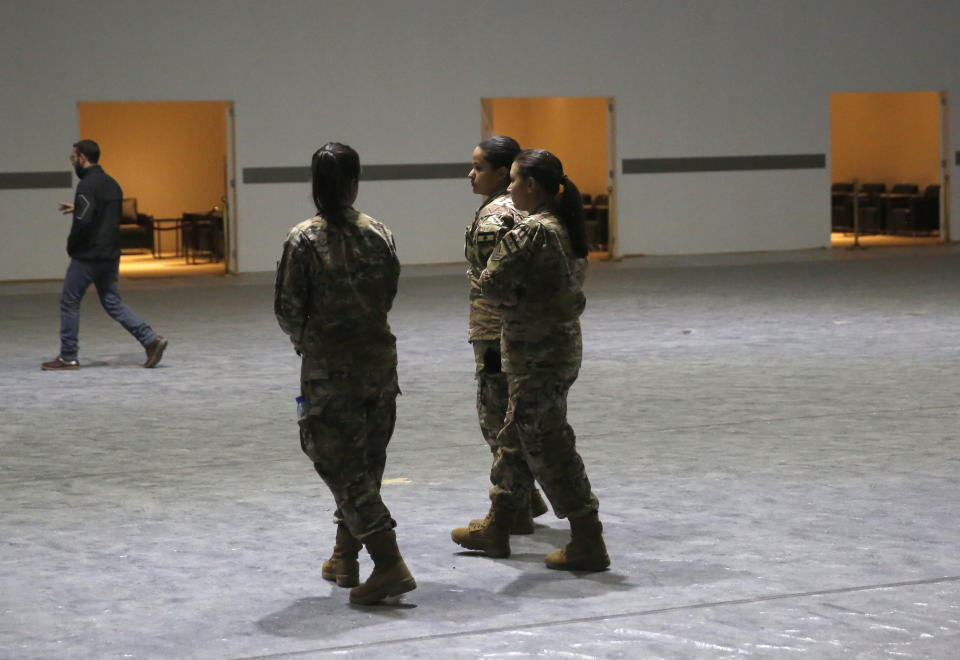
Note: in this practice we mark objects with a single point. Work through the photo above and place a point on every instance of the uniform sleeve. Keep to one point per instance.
(391, 264)
(508, 265)
(394, 269)
(292, 290)
(490, 232)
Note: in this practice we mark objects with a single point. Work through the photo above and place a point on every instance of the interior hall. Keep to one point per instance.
(765, 401)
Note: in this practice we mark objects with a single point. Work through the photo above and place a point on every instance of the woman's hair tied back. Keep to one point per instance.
(334, 168)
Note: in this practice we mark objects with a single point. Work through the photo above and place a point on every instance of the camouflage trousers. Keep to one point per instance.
(536, 441)
(492, 397)
(345, 433)
(492, 389)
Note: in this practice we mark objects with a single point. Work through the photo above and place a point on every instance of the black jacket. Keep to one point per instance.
(95, 233)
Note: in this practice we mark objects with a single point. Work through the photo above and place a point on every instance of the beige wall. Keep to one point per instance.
(574, 129)
(885, 137)
(169, 155)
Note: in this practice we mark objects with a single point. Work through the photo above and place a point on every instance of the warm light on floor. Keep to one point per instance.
(881, 240)
(144, 265)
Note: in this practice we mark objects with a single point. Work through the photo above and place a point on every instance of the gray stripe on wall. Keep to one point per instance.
(369, 173)
(723, 163)
(957, 156)
(417, 171)
(276, 174)
(28, 180)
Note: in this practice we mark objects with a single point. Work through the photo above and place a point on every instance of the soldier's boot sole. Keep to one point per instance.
(384, 583)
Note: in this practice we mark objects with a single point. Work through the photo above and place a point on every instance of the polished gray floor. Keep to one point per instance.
(773, 439)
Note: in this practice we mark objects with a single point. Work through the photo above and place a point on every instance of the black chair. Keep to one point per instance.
(136, 229)
(905, 189)
(163, 228)
(870, 208)
(928, 210)
(203, 236)
(841, 207)
(901, 210)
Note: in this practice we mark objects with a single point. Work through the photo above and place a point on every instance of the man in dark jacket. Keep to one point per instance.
(94, 249)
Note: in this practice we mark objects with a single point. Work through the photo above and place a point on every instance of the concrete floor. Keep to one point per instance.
(773, 439)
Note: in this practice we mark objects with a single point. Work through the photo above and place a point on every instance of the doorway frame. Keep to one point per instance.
(230, 171)
(613, 243)
(943, 233)
(230, 193)
(613, 234)
(944, 168)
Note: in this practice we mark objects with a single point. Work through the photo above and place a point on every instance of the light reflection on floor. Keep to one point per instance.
(144, 265)
(881, 240)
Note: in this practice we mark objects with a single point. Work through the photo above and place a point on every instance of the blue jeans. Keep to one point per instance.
(103, 275)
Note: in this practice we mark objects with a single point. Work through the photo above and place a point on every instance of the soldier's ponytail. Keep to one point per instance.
(335, 167)
(547, 170)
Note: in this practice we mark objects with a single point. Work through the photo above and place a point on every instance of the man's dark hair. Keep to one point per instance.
(89, 149)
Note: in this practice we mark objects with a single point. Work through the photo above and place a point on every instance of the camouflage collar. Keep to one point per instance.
(492, 197)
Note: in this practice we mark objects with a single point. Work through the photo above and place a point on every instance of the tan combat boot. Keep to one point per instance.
(490, 535)
(390, 576)
(520, 523)
(523, 519)
(586, 550)
(342, 567)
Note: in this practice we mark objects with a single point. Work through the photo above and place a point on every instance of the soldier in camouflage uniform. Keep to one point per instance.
(537, 273)
(336, 282)
(497, 215)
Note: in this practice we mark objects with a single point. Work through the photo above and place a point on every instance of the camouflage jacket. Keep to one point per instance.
(537, 279)
(333, 291)
(495, 217)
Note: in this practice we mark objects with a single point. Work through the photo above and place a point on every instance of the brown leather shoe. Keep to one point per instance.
(59, 364)
(155, 352)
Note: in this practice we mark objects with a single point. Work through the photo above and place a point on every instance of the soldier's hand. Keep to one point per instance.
(65, 207)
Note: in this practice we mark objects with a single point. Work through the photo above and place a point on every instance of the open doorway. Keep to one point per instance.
(580, 132)
(888, 160)
(173, 160)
